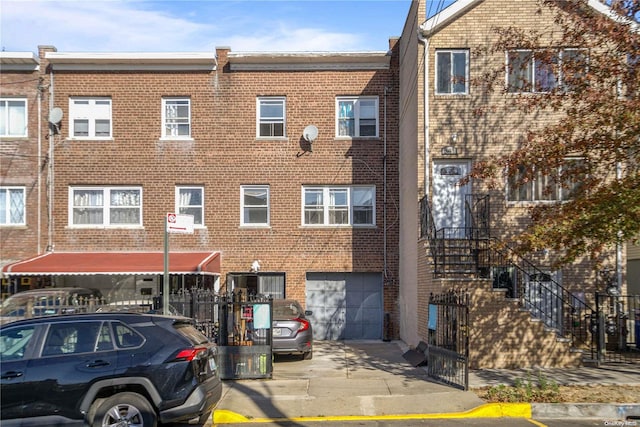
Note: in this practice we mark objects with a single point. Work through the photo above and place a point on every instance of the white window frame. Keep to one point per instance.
(174, 123)
(92, 110)
(326, 208)
(7, 125)
(357, 102)
(260, 120)
(106, 206)
(6, 217)
(267, 207)
(186, 207)
(529, 83)
(451, 90)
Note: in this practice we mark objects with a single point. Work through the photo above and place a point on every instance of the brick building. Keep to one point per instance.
(287, 162)
(523, 312)
(23, 161)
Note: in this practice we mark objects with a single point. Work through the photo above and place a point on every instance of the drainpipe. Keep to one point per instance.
(39, 166)
(425, 40)
(619, 245)
(50, 188)
(384, 187)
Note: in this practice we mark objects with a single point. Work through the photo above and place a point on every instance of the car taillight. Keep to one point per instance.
(304, 324)
(188, 354)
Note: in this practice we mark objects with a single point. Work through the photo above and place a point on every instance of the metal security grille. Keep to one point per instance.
(448, 351)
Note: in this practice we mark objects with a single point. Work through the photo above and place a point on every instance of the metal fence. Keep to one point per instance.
(448, 350)
(616, 329)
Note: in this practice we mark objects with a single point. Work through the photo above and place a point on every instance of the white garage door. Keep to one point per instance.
(346, 306)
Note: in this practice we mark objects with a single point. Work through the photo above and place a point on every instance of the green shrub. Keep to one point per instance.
(527, 390)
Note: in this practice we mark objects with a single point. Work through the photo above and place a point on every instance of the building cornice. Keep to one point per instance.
(19, 61)
(132, 61)
(308, 61)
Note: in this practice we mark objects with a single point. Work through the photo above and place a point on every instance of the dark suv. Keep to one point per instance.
(106, 369)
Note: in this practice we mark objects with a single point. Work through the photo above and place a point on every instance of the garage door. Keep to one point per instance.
(346, 306)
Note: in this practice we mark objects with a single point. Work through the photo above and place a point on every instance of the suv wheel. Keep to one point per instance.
(123, 409)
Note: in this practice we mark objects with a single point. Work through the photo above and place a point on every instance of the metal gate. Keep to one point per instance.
(239, 324)
(448, 350)
(616, 329)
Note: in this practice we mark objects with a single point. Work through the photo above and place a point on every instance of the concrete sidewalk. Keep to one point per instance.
(372, 379)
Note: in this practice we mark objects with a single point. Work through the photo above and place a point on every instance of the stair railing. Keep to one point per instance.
(538, 292)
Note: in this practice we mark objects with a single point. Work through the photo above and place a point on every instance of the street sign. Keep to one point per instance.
(179, 223)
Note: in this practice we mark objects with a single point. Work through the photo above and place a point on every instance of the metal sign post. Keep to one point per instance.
(174, 223)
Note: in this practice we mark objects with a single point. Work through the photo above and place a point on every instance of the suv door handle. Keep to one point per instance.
(97, 364)
(11, 374)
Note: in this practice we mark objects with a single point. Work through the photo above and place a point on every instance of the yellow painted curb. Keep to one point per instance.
(222, 416)
(489, 410)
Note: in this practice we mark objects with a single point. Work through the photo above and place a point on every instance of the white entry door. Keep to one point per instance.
(448, 196)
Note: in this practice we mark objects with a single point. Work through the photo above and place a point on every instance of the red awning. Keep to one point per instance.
(58, 263)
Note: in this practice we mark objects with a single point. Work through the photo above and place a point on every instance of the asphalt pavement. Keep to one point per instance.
(351, 380)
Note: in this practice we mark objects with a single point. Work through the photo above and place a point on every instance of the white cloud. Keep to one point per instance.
(96, 25)
(128, 26)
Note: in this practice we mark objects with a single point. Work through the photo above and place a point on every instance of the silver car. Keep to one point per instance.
(292, 331)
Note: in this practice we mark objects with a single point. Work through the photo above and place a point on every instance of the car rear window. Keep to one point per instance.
(287, 310)
(191, 333)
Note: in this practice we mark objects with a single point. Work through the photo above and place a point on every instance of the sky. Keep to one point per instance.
(202, 25)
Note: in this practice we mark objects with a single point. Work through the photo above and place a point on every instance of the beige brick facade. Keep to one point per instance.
(478, 126)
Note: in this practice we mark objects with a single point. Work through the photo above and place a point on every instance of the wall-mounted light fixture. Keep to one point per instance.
(450, 150)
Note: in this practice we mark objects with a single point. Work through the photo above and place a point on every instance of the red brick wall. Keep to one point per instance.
(19, 166)
(224, 155)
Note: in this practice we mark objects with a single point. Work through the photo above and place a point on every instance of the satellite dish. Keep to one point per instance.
(55, 115)
(310, 133)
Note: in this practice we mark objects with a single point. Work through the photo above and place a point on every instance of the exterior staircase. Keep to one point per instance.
(520, 316)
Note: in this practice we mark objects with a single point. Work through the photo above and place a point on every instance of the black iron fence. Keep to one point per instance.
(616, 329)
(448, 341)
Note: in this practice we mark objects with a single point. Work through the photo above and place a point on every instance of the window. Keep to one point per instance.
(14, 342)
(190, 201)
(69, 338)
(90, 118)
(531, 186)
(13, 117)
(543, 71)
(339, 206)
(271, 117)
(452, 74)
(254, 209)
(12, 206)
(176, 118)
(357, 116)
(105, 206)
(127, 337)
(260, 283)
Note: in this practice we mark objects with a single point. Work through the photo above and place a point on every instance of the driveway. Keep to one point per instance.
(344, 378)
